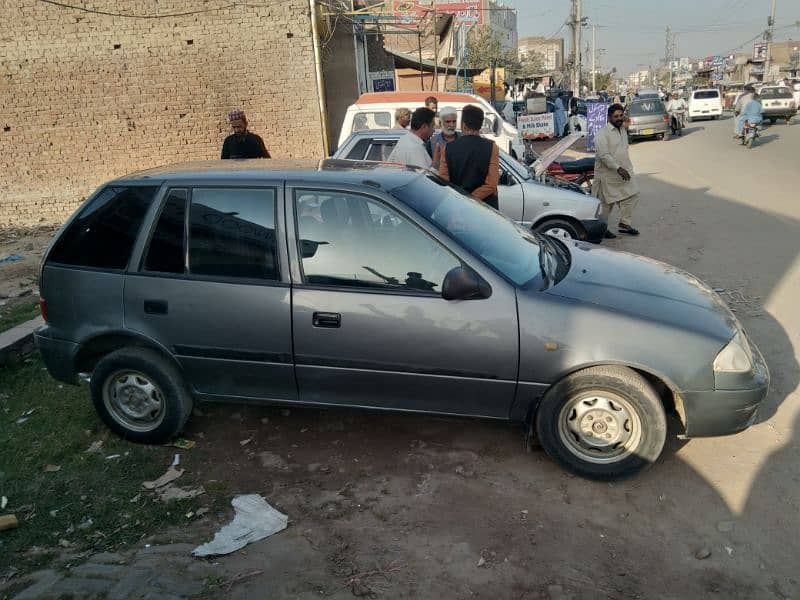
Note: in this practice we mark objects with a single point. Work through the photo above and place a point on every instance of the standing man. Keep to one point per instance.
(560, 115)
(440, 139)
(402, 117)
(410, 148)
(614, 183)
(242, 143)
(431, 103)
(472, 162)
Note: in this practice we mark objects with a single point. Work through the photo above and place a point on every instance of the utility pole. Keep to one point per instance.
(576, 22)
(668, 55)
(594, 58)
(435, 83)
(768, 37)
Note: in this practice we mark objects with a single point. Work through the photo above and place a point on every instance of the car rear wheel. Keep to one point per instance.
(140, 395)
(772, 120)
(603, 423)
(560, 228)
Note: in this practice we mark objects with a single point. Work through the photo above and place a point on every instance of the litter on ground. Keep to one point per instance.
(254, 520)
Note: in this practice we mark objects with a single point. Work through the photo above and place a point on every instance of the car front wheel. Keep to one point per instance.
(560, 228)
(140, 395)
(603, 422)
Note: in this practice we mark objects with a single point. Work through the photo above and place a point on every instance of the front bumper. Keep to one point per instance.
(58, 355)
(595, 229)
(726, 411)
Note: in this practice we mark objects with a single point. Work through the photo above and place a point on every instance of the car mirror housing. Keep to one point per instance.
(462, 283)
(308, 248)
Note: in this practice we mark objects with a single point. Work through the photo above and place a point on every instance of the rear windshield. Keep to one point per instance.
(706, 95)
(102, 235)
(648, 107)
(775, 92)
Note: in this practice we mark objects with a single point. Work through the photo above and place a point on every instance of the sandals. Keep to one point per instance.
(627, 229)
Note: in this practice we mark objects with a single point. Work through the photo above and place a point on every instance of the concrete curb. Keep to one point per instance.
(17, 342)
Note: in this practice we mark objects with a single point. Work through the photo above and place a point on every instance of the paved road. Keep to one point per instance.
(404, 506)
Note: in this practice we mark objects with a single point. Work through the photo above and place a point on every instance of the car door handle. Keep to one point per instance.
(156, 307)
(327, 319)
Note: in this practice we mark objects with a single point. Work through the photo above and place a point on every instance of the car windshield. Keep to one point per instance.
(648, 107)
(706, 95)
(517, 253)
(775, 92)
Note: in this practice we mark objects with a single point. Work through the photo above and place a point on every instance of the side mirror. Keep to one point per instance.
(506, 179)
(462, 283)
(308, 248)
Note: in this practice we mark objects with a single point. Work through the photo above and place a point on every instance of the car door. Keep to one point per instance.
(212, 287)
(370, 325)
(510, 192)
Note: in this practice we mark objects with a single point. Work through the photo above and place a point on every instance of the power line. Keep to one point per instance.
(131, 16)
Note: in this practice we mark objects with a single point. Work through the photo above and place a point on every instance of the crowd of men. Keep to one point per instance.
(472, 162)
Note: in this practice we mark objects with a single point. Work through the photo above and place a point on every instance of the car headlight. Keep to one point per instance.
(736, 357)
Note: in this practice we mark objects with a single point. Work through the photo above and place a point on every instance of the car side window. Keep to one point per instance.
(359, 150)
(232, 233)
(380, 150)
(103, 234)
(165, 253)
(353, 241)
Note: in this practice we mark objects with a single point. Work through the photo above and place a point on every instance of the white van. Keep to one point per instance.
(376, 111)
(705, 103)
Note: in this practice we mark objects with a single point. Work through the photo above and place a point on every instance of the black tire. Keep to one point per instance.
(574, 231)
(772, 120)
(661, 137)
(125, 370)
(615, 387)
(749, 142)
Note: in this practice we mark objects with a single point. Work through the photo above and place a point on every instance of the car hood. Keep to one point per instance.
(645, 288)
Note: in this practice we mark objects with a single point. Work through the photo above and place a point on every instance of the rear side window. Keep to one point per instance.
(359, 150)
(706, 95)
(166, 250)
(232, 233)
(103, 234)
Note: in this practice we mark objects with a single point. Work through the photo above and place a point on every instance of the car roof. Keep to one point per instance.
(386, 175)
(394, 97)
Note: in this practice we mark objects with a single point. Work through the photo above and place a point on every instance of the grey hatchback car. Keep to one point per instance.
(365, 285)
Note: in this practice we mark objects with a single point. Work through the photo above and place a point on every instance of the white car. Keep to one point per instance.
(533, 205)
(376, 111)
(704, 104)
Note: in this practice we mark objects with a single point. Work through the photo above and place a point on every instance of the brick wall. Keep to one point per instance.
(86, 97)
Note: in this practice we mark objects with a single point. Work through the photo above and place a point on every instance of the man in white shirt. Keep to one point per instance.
(410, 148)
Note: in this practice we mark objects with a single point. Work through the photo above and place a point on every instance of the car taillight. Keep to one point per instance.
(43, 309)
(630, 121)
(666, 119)
(791, 105)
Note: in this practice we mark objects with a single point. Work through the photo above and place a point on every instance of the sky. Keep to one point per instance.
(632, 31)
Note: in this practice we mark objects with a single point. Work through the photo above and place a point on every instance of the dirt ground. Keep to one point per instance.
(402, 506)
(19, 277)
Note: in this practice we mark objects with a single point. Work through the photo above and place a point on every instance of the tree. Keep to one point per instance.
(531, 63)
(604, 80)
(484, 49)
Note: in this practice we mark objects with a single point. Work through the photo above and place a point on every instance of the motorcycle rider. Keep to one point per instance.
(751, 113)
(675, 108)
(743, 99)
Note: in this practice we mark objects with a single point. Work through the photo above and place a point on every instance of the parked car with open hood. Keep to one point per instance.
(532, 204)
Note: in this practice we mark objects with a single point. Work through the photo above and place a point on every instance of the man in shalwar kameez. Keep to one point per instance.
(614, 180)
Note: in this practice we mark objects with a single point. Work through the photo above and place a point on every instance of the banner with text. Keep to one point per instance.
(532, 127)
(596, 118)
(464, 11)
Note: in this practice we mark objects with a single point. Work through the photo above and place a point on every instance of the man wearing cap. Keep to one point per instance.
(242, 143)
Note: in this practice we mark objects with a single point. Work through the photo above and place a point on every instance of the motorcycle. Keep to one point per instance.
(676, 122)
(749, 134)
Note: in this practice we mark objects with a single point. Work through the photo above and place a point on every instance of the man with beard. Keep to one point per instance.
(440, 139)
(242, 143)
(614, 180)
